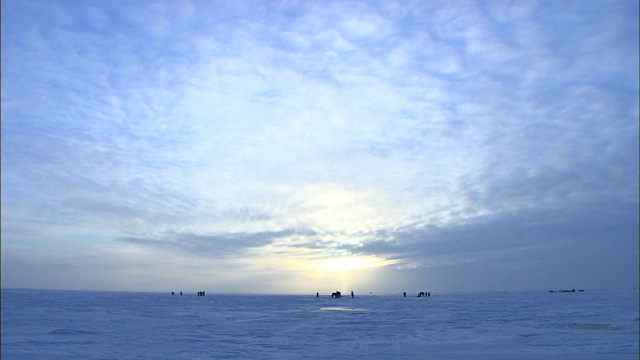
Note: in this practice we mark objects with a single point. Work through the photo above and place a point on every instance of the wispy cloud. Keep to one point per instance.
(211, 245)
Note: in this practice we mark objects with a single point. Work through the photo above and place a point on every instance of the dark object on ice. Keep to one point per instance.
(172, 293)
(317, 294)
(336, 294)
(405, 294)
(429, 294)
(180, 292)
(421, 294)
(200, 293)
(566, 291)
(352, 296)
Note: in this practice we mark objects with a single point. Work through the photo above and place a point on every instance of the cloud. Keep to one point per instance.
(507, 231)
(212, 245)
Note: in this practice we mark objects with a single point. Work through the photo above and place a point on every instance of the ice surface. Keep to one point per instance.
(111, 325)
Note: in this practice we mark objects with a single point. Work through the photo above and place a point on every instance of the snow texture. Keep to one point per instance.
(118, 325)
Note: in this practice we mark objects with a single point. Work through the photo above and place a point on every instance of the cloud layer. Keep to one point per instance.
(256, 141)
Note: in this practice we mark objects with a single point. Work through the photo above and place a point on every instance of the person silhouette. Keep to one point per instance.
(352, 296)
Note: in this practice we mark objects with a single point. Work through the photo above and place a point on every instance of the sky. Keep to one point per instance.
(313, 146)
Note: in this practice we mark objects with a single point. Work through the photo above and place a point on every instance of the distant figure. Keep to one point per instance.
(180, 292)
(203, 293)
(405, 294)
(352, 296)
(429, 294)
(421, 294)
(317, 294)
(336, 294)
(172, 293)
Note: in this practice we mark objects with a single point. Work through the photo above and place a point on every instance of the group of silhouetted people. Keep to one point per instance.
(200, 293)
(337, 294)
(421, 294)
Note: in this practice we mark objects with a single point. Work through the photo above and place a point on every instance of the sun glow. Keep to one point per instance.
(348, 263)
(352, 263)
(320, 267)
(312, 270)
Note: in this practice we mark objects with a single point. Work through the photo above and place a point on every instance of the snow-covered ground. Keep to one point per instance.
(116, 325)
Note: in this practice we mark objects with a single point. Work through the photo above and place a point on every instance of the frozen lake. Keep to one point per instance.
(118, 325)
